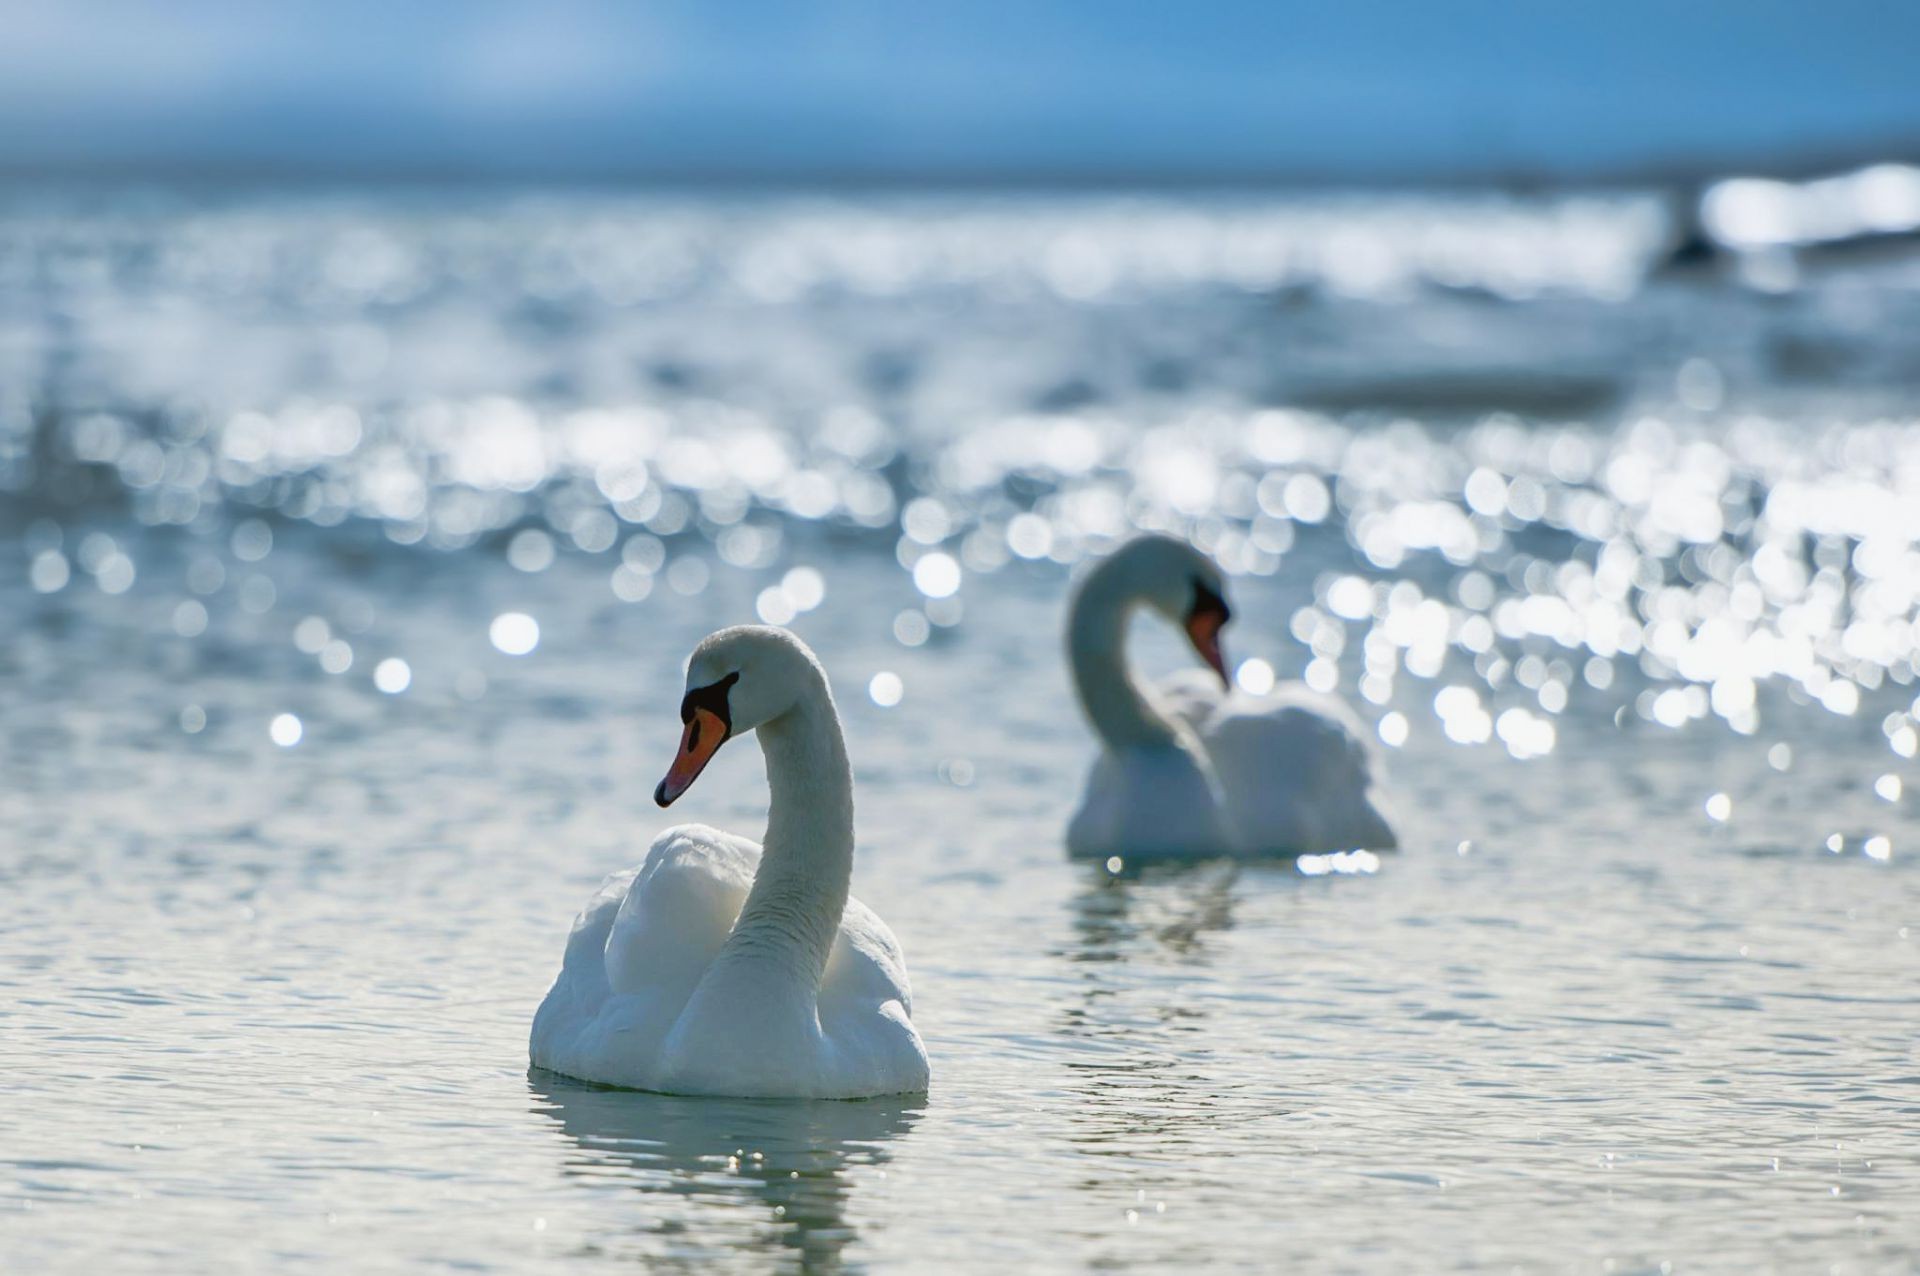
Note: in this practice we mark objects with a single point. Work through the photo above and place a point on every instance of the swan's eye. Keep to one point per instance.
(1207, 602)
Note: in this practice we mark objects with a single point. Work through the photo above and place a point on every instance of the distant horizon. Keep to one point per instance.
(1676, 171)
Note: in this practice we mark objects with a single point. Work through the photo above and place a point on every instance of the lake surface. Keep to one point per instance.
(1622, 569)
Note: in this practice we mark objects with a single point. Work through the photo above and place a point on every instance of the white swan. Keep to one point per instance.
(719, 968)
(1191, 768)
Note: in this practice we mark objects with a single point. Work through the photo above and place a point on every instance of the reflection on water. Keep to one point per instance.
(725, 1174)
(1175, 906)
(1145, 1072)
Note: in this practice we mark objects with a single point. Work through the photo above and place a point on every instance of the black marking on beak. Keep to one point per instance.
(712, 698)
(1205, 619)
(1208, 602)
(697, 746)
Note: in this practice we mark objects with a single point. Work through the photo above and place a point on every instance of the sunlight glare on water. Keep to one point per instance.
(355, 546)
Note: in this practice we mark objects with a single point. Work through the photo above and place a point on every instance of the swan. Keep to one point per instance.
(1191, 767)
(720, 968)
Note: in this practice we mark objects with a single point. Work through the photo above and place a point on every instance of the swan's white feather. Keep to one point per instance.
(1295, 767)
(636, 1002)
(1159, 803)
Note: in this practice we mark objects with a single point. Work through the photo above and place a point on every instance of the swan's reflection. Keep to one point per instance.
(1172, 906)
(705, 1158)
(1160, 1073)
(1144, 1073)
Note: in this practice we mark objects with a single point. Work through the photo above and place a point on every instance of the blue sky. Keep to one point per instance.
(1369, 90)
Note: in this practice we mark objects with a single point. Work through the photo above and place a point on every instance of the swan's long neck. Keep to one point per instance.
(806, 864)
(1119, 710)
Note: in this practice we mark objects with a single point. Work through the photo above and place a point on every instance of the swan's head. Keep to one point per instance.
(738, 679)
(1181, 583)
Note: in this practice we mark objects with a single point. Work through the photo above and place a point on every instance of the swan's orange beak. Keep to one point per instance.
(1203, 630)
(702, 739)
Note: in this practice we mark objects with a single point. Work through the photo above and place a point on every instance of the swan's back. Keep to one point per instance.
(1297, 770)
(649, 937)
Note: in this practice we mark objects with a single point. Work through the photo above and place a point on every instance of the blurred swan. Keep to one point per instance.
(719, 968)
(1191, 767)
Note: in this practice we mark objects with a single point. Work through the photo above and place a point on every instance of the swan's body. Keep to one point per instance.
(717, 967)
(1189, 768)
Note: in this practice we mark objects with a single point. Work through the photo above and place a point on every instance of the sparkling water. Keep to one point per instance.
(351, 545)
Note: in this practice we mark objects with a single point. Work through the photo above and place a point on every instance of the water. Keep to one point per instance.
(1624, 570)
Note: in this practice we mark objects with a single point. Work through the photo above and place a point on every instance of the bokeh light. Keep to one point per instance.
(285, 730)
(514, 633)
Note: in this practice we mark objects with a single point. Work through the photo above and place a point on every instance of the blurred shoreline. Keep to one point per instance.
(1679, 170)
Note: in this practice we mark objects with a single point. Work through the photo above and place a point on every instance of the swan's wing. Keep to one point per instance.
(680, 909)
(637, 952)
(866, 966)
(1298, 769)
(865, 1008)
(583, 972)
